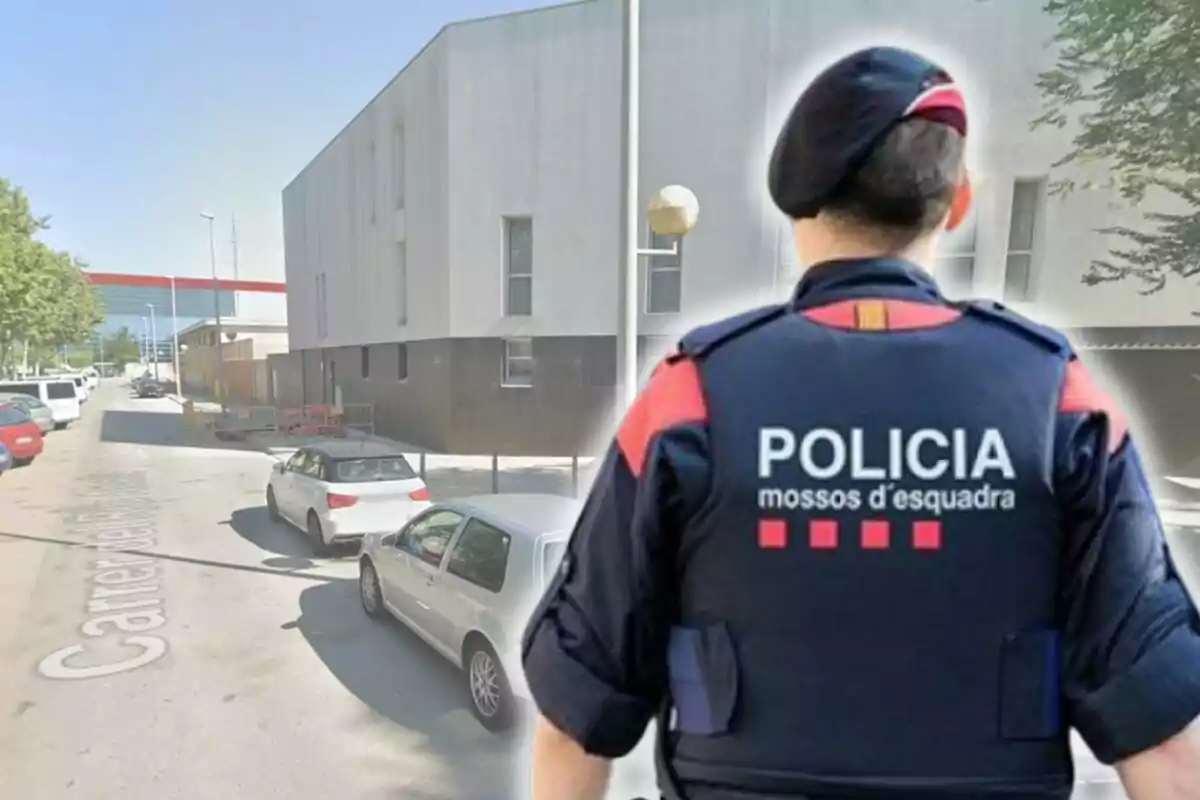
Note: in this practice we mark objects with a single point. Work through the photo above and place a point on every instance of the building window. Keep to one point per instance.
(366, 361)
(401, 283)
(664, 276)
(372, 178)
(518, 266)
(955, 261)
(398, 165)
(322, 308)
(402, 362)
(1022, 236)
(518, 362)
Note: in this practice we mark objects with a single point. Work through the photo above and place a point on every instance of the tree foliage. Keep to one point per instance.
(45, 297)
(1126, 74)
(120, 348)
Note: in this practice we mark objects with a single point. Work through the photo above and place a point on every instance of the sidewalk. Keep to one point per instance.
(448, 475)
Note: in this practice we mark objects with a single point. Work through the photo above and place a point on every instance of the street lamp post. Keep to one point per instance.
(153, 339)
(175, 342)
(672, 211)
(145, 342)
(234, 242)
(212, 253)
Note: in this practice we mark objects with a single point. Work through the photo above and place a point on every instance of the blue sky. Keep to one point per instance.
(123, 119)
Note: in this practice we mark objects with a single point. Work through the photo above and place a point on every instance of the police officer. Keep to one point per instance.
(869, 543)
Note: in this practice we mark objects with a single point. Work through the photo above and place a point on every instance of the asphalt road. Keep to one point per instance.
(218, 659)
(161, 639)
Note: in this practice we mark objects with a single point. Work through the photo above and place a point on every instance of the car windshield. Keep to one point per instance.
(373, 470)
(60, 390)
(30, 389)
(11, 415)
(552, 553)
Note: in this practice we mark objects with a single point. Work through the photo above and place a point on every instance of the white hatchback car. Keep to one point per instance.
(465, 576)
(339, 491)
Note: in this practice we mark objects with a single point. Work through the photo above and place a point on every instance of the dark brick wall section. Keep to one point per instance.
(452, 400)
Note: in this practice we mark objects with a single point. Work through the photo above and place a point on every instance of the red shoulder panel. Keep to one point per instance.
(672, 397)
(905, 315)
(1081, 395)
(898, 315)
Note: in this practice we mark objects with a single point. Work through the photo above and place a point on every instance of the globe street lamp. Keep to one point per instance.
(671, 212)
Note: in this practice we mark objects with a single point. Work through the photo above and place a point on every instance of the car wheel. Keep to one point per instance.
(272, 506)
(491, 696)
(369, 591)
(60, 426)
(22, 462)
(316, 535)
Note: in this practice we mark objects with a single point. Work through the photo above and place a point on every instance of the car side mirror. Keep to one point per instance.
(279, 467)
(390, 540)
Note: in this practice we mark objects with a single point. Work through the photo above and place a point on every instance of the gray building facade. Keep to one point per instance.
(451, 256)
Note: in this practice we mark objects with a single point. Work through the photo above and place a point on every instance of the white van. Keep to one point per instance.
(61, 394)
(81, 387)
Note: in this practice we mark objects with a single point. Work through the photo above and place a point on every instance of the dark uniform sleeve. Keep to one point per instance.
(1131, 656)
(594, 651)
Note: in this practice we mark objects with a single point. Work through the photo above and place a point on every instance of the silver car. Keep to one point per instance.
(33, 406)
(464, 575)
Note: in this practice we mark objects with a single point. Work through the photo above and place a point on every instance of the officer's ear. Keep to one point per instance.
(960, 205)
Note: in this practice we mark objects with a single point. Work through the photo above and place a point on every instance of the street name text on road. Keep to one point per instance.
(124, 607)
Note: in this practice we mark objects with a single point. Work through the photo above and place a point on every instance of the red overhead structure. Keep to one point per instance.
(164, 282)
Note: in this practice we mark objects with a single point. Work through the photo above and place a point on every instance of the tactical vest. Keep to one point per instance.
(868, 602)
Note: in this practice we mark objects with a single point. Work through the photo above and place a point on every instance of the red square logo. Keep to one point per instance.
(772, 534)
(927, 535)
(876, 534)
(823, 534)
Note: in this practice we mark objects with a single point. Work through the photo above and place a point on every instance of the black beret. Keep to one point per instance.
(843, 115)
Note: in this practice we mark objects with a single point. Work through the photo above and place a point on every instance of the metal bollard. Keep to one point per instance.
(495, 474)
(422, 465)
(575, 476)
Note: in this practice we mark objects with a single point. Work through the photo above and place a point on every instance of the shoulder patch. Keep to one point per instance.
(1042, 335)
(701, 341)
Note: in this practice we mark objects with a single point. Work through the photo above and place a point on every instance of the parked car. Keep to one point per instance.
(60, 395)
(81, 387)
(35, 408)
(20, 435)
(91, 378)
(148, 386)
(6, 459)
(464, 576)
(337, 492)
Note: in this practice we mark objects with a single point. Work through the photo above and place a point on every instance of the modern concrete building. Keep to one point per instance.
(452, 254)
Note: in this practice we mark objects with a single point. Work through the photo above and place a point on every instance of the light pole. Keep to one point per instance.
(212, 253)
(234, 241)
(175, 342)
(145, 341)
(153, 339)
(672, 211)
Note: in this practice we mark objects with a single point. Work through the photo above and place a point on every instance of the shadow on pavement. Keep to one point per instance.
(253, 525)
(405, 681)
(280, 538)
(155, 429)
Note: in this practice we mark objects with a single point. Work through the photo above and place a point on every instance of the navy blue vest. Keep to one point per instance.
(868, 602)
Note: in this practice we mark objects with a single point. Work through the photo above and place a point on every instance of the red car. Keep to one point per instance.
(20, 434)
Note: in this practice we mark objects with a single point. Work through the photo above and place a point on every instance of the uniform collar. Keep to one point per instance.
(846, 279)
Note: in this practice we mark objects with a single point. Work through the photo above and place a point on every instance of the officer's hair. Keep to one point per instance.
(906, 185)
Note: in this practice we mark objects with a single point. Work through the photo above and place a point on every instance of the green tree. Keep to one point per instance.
(45, 297)
(120, 348)
(1126, 76)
